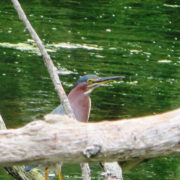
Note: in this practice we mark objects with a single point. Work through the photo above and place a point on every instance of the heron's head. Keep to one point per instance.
(88, 83)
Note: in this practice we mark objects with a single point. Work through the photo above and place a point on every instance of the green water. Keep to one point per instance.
(136, 39)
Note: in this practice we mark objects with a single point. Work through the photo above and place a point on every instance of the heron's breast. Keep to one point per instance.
(81, 106)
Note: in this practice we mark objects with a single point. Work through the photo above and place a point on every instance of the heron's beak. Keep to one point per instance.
(93, 83)
(106, 80)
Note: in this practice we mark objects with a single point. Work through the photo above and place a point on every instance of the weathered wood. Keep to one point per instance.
(2, 124)
(61, 140)
(86, 172)
(112, 171)
(18, 171)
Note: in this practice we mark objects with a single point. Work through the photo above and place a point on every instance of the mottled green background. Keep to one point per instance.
(136, 39)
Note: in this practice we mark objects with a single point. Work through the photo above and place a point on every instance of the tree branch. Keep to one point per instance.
(86, 172)
(18, 171)
(47, 60)
(53, 141)
(112, 171)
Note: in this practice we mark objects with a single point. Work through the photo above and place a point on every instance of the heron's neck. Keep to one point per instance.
(81, 105)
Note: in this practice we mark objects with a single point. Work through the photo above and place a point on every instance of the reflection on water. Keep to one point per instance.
(139, 40)
(31, 47)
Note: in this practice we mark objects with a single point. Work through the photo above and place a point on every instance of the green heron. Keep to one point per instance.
(80, 101)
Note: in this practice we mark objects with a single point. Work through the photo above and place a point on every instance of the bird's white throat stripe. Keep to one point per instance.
(88, 92)
(89, 107)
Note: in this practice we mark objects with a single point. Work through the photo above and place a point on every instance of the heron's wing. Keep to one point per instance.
(28, 168)
(58, 110)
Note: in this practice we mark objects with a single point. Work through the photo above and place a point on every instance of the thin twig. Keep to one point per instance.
(47, 60)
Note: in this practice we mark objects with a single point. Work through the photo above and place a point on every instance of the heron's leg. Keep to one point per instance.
(59, 171)
(46, 174)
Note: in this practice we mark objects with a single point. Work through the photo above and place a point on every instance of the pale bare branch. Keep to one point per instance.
(54, 141)
(47, 60)
(18, 171)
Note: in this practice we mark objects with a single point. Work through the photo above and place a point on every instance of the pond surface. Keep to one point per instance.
(136, 39)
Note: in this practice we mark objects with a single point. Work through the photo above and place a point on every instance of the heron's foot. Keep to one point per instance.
(59, 172)
(46, 174)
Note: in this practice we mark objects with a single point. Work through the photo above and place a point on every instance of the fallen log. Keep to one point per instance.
(60, 139)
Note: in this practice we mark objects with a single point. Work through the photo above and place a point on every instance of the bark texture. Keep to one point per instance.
(60, 139)
(18, 171)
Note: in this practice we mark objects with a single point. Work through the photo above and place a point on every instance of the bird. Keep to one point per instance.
(80, 101)
(79, 96)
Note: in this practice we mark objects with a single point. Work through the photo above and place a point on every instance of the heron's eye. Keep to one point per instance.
(91, 80)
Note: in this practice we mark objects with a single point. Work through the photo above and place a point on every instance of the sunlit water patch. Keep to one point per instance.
(31, 47)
